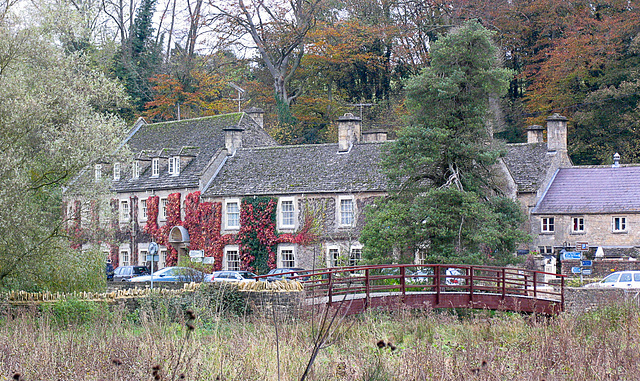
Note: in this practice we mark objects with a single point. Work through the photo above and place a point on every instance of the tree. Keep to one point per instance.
(446, 201)
(139, 57)
(278, 30)
(56, 117)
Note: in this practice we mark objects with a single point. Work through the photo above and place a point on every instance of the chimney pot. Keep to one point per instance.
(616, 160)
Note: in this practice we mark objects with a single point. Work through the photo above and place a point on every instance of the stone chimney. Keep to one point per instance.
(348, 131)
(232, 139)
(257, 114)
(616, 160)
(557, 133)
(374, 136)
(535, 134)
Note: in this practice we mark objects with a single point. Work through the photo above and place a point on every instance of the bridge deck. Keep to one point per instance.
(357, 288)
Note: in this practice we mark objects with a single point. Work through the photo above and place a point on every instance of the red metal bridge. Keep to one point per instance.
(358, 288)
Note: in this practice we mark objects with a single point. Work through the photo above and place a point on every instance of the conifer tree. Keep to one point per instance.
(446, 201)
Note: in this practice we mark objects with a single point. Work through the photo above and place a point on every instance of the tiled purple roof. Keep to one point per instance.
(592, 190)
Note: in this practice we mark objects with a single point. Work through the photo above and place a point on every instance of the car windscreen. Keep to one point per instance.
(247, 275)
(611, 278)
(140, 270)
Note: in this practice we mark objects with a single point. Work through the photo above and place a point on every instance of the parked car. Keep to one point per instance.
(123, 273)
(172, 274)
(450, 280)
(423, 275)
(619, 279)
(281, 274)
(231, 276)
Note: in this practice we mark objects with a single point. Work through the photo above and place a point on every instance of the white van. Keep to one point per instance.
(619, 279)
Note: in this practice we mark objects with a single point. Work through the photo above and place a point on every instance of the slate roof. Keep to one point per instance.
(301, 169)
(200, 139)
(592, 190)
(528, 164)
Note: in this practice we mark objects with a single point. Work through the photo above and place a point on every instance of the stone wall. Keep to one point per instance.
(579, 300)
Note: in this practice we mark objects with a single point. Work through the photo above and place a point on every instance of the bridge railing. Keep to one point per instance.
(334, 283)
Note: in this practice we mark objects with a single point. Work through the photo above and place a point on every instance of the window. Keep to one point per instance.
(143, 209)
(548, 225)
(142, 257)
(287, 256)
(548, 250)
(577, 225)
(116, 171)
(619, 224)
(421, 257)
(174, 165)
(233, 214)
(346, 211)
(356, 256)
(98, 172)
(163, 258)
(163, 208)
(124, 258)
(124, 210)
(231, 258)
(287, 213)
(155, 167)
(135, 169)
(333, 256)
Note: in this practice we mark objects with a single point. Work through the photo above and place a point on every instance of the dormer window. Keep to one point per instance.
(174, 165)
(98, 172)
(135, 169)
(116, 171)
(155, 167)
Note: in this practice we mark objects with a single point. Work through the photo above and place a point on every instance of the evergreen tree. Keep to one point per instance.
(139, 58)
(446, 200)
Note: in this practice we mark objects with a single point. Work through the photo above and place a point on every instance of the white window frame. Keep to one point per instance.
(577, 224)
(332, 258)
(142, 257)
(340, 211)
(231, 265)
(174, 165)
(281, 261)
(163, 208)
(357, 247)
(621, 226)
(125, 258)
(163, 258)
(135, 169)
(116, 171)
(143, 210)
(125, 211)
(98, 172)
(547, 224)
(284, 223)
(155, 167)
(227, 215)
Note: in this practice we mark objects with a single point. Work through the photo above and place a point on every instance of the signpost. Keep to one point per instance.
(153, 250)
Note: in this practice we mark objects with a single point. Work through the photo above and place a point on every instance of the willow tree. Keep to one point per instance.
(446, 201)
(56, 117)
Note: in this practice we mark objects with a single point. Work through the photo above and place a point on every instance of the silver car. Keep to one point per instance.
(619, 279)
(231, 276)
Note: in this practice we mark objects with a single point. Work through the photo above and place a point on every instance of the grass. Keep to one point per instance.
(406, 345)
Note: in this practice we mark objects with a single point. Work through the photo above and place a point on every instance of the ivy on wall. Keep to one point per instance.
(257, 237)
